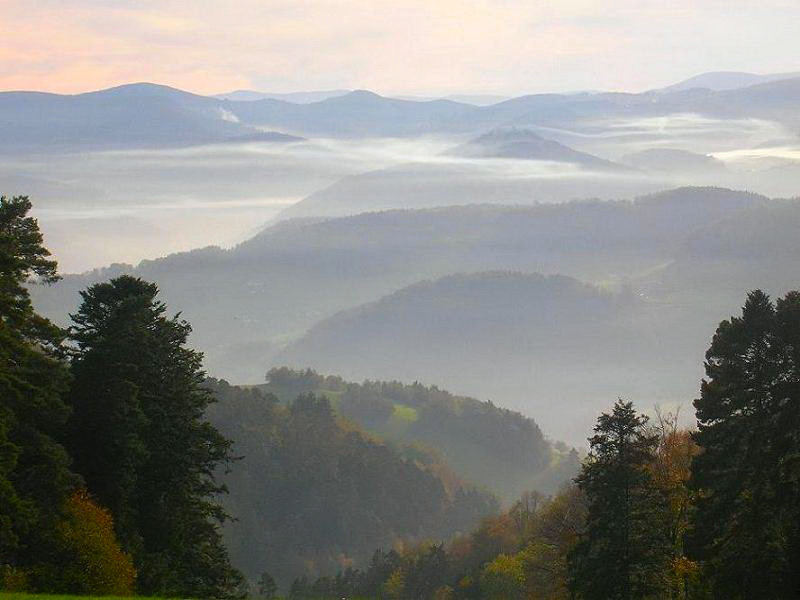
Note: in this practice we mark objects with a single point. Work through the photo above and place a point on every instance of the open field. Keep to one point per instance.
(24, 596)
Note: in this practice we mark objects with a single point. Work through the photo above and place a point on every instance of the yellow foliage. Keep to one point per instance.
(12, 579)
(683, 567)
(95, 562)
(503, 578)
(444, 593)
(395, 585)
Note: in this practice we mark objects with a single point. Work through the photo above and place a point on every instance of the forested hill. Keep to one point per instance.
(314, 494)
(245, 303)
(552, 346)
(484, 444)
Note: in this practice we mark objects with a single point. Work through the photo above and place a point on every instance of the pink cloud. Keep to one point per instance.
(409, 46)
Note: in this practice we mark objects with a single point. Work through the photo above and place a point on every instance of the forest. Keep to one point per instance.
(125, 470)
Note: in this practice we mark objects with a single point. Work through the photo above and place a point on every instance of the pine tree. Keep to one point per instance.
(624, 552)
(35, 479)
(745, 527)
(141, 441)
(267, 588)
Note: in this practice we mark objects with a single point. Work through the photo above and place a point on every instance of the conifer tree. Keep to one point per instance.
(747, 477)
(624, 552)
(35, 479)
(141, 440)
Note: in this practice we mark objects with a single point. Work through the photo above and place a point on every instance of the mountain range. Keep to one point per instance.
(727, 80)
(148, 115)
(257, 305)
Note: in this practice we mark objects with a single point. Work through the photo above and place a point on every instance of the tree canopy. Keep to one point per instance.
(141, 440)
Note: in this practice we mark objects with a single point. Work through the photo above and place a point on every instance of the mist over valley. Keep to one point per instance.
(340, 344)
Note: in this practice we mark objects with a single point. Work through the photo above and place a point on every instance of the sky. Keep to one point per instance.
(427, 47)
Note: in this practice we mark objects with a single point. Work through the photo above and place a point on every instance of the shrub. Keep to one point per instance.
(93, 562)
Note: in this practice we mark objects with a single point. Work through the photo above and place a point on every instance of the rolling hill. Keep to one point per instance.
(551, 346)
(248, 302)
(138, 115)
(524, 144)
(313, 491)
(726, 80)
(149, 115)
(494, 448)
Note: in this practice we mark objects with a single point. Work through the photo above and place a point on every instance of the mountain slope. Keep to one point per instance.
(756, 247)
(294, 97)
(359, 113)
(524, 144)
(498, 449)
(246, 303)
(129, 116)
(147, 115)
(553, 346)
(313, 491)
(530, 170)
(726, 80)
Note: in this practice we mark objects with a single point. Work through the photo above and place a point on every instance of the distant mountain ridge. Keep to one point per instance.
(150, 115)
(138, 115)
(726, 80)
(525, 144)
(247, 302)
(294, 97)
(488, 331)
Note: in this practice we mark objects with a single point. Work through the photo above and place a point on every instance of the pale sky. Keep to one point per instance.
(391, 47)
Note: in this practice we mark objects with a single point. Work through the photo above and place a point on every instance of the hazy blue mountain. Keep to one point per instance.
(148, 115)
(726, 80)
(552, 346)
(135, 115)
(359, 113)
(295, 97)
(770, 100)
(364, 113)
(524, 144)
(249, 302)
(553, 173)
(755, 247)
(427, 185)
(474, 99)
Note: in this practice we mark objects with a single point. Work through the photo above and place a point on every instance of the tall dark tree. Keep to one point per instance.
(747, 477)
(624, 551)
(34, 468)
(141, 440)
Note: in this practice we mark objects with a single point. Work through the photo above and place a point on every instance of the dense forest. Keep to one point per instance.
(499, 449)
(107, 461)
(313, 492)
(656, 512)
(121, 465)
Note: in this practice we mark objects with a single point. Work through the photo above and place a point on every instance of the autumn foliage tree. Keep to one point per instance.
(93, 562)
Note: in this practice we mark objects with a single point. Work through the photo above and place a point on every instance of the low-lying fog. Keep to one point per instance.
(123, 206)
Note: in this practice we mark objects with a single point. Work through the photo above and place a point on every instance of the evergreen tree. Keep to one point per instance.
(624, 552)
(745, 527)
(35, 479)
(267, 588)
(141, 441)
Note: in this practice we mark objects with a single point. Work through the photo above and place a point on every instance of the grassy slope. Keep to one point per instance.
(23, 596)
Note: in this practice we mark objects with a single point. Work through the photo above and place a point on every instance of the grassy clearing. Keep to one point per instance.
(23, 596)
(404, 413)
